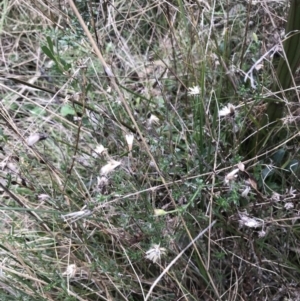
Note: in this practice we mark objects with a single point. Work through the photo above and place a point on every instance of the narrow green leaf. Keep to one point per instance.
(50, 44)
(48, 52)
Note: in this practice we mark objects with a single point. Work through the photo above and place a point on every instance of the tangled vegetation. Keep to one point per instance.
(141, 158)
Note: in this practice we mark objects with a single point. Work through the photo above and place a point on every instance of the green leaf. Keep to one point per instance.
(67, 110)
(50, 44)
(3, 137)
(48, 52)
(67, 66)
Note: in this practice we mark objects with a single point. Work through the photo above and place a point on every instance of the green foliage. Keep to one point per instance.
(67, 110)
(60, 63)
(88, 213)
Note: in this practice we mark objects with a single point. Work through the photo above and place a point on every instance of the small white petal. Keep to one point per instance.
(262, 233)
(43, 196)
(129, 140)
(110, 166)
(249, 222)
(246, 191)
(153, 120)
(154, 254)
(34, 138)
(241, 166)
(231, 176)
(228, 110)
(194, 91)
(252, 223)
(224, 112)
(99, 149)
(288, 205)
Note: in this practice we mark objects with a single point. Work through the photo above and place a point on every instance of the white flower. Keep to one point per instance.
(43, 196)
(194, 91)
(262, 233)
(70, 271)
(231, 176)
(249, 222)
(275, 197)
(228, 110)
(110, 166)
(241, 166)
(129, 140)
(34, 138)
(288, 205)
(152, 120)
(246, 191)
(154, 254)
(100, 149)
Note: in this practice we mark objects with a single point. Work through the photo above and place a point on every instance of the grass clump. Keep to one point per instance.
(128, 168)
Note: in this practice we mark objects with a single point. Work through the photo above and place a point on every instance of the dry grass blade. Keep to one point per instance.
(127, 128)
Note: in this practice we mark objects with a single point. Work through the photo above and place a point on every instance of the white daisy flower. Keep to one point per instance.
(229, 110)
(288, 205)
(154, 254)
(194, 91)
